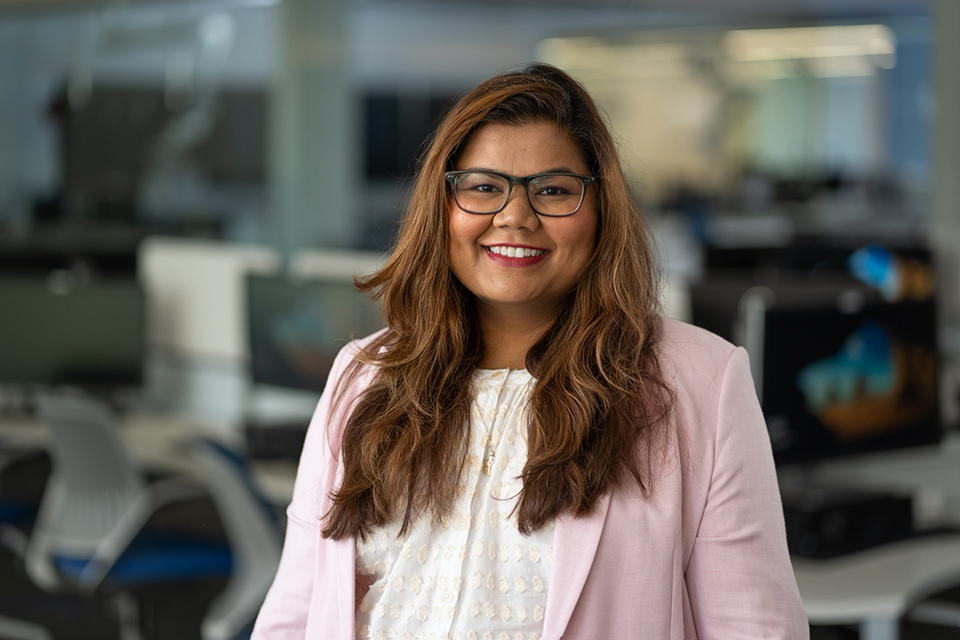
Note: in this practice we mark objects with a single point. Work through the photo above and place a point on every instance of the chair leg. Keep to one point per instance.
(11, 629)
(255, 542)
(236, 607)
(128, 613)
(938, 612)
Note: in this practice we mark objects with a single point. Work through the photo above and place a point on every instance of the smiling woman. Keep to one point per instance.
(519, 265)
(529, 450)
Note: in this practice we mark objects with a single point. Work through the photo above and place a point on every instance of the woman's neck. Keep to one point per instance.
(507, 337)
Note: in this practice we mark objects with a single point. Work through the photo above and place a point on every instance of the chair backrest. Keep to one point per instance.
(93, 481)
(254, 536)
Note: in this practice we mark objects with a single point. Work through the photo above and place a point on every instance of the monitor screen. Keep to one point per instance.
(842, 344)
(58, 330)
(297, 327)
(842, 380)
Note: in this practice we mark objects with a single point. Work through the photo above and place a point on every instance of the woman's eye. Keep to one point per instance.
(481, 187)
(552, 191)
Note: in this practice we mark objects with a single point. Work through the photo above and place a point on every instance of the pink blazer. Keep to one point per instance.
(704, 557)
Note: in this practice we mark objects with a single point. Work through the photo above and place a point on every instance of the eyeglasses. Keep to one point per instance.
(549, 194)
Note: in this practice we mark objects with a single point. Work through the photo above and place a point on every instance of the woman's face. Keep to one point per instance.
(561, 247)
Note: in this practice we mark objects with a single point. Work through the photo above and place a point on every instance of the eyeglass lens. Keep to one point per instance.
(550, 194)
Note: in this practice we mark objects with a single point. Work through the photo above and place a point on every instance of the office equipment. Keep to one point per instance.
(844, 374)
(297, 327)
(60, 329)
(106, 181)
(87, 251)
(843, 366)
(839, 370)
(297, 324)
(872, 589)
(196, 294)
(826, 523)
(197, 331)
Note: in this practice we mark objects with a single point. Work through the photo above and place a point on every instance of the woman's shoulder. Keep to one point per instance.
(357, 345)
(684, 345)
(353, 350)
(692, 357)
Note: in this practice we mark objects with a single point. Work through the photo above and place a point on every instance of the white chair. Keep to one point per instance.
(254, 537)
(96, 502)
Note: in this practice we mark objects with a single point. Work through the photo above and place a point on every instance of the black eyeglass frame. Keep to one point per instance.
(513, 181)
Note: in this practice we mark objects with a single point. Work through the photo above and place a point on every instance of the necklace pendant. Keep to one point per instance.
(488, 462)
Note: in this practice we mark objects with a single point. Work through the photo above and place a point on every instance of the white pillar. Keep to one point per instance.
(313, 165)
(945, 221)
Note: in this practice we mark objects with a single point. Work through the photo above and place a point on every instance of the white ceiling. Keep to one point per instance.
(782, 9)
(733, 8)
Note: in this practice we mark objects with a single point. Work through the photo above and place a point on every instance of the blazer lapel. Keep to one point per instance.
(343, 564)
(574, 547)
(344, 561)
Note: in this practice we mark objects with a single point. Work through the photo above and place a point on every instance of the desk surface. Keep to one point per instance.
(882, 582)
(161, 442)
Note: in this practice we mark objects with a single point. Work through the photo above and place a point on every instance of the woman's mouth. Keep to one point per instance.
(516, 252)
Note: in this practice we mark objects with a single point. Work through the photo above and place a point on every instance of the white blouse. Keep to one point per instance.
(471, 576)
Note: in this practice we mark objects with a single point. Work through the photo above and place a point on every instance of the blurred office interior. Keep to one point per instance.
(187, 188)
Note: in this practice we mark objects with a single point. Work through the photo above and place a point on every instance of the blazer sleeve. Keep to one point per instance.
(285, 610)
(739, 579)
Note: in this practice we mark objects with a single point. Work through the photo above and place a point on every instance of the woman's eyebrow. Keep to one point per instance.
(562, 169)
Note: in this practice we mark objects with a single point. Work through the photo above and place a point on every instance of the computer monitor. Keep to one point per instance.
(297, 326)
(839, 370)
(60, 329)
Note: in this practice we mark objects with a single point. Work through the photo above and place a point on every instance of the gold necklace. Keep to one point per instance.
(489, 447)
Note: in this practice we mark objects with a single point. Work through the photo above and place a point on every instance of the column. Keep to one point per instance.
(313, 138)
(945, 219)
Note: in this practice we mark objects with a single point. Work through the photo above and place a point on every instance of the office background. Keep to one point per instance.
(210, 150)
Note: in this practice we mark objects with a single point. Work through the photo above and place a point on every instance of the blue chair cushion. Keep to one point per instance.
(154, 557)
(17, 512)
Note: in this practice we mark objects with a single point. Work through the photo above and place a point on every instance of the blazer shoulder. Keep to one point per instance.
(351, 350)
(689, 353)
(358, 344)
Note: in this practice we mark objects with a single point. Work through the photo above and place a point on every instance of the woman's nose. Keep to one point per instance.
(517, 213)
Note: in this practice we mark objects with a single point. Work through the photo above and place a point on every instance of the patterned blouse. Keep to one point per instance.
(471, 576)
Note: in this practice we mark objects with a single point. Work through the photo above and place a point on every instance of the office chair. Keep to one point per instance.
(254, 535)
(96, 502)
(90, 527)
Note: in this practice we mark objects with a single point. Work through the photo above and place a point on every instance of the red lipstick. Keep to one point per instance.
(499, 253)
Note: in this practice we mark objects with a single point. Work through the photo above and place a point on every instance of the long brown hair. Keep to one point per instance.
(600, 397)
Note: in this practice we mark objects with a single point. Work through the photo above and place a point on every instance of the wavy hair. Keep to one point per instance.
(600, 399)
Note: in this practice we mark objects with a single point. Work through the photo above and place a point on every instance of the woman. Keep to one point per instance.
(529, 451)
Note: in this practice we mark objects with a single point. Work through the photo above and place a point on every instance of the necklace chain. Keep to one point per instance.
(489, 446)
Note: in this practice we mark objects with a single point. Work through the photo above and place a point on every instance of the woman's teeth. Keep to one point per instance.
(516, 252)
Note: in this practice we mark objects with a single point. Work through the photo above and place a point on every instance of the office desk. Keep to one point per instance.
(162, 443)
(877, 587)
